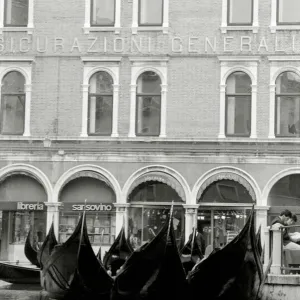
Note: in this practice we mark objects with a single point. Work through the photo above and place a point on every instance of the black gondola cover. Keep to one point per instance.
(30, 251)
(258, 241)
(119, 251)
(140, 267)
(48, 245)
(168, 281)
(234, 272)
(59, 270)
(188, 258)
(19, 274)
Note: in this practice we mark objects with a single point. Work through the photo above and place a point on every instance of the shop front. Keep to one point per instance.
(20, 214)
(99, 207)
(149, 206)
(224, 207)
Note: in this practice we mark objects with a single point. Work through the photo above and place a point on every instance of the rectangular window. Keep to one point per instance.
(102, 12)
(145, 223)
(287, 116)
(100, 115)
(151, 12)
(16, 12)
(101, 227)
(288, 11)
(22, 222)
(13, 114)
(148, 115)
(240, 12)
(238, 116)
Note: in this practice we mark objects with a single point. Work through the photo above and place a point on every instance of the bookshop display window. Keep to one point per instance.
(144, 223)
(101, 226)
(23, 221)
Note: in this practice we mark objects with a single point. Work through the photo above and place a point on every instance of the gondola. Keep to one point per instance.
(48, 245)
(119, 251)
(141, 267)
(30, 251)
(191, 253)
(73, 270)
(234, 272)
(258, 241)
(13, 273)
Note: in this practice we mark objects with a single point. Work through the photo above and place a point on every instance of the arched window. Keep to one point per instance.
(238, 104)
(148, 106)
(100, 104)
(13, 103)
(287, 104)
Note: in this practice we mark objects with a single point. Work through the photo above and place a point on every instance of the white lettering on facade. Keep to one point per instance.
(192, 44)
(58, 43)
(227, 41)
(23, 206)
(178, 45)
(212, 46)
(76, 45)
(263, 44)
(94, 40)
(92, 207)
(245, 42)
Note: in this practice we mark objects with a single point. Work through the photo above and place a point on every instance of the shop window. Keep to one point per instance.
(287, 105)
(240, 12)
(288, 12)
(150, 12)
(145, 223)
(148, 104)
(13, 104)
(101, 227)
(100, 104)
(219, 227)
(16, 12)
(238, 105)
(103, 12)
(22, 222)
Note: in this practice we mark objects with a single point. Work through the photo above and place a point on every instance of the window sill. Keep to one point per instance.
(29, 30)
(224, 29)
(164, 29)
(284, 27)
(88, 29)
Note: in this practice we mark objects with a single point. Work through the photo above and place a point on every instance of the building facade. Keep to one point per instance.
(132, 106)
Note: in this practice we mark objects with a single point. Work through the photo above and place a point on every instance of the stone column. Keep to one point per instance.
(84, 117)
(253, 112)
(121, 217)
(27, 110)
(267, 247)
(132, 110)
(115, 111)
(163, 114)
(222, 111)
(30, 13)
(190, 219)
(53, 215)
(261, 220)
(276, 250)
(272, 112)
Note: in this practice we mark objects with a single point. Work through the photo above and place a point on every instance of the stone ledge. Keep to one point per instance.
(23, 295)
(283, 279)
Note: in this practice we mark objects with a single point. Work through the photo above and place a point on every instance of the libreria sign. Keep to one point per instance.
(92, 207)
(23, 206)
(161, 44)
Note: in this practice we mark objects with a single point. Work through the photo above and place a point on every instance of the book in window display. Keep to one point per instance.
(106, 239)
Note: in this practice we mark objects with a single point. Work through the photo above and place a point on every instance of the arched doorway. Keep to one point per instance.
(100, 211)
(285, 194)
(22, 200)
(150, 203)
(223, 209)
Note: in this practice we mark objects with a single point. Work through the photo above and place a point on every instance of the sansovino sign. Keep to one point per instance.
(92, 207)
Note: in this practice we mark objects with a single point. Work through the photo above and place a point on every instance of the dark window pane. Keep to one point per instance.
(288, 82)
(16, 12)
(100, 115)
(288, 11)
(103, 12)
(240, 11)
(149, 83)
(13, 114)
(13, 83)
(151, 12)
(148, 115)
(238, 115)
(238, 82)
(288, 115)
(101, 83)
